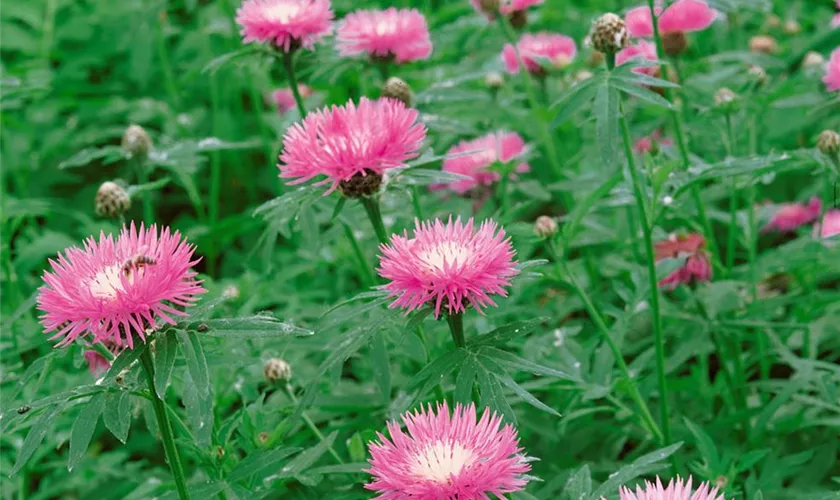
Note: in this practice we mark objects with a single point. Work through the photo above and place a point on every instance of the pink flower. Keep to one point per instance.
(97, 364)
(485, 151)
(830, 225)
(832, 71)
(644, 50)
(285, 23)
(676, 490)
(506, 7)
(791, 216)
(113, 289)
(651, 143)
(447, 457)
(682, 16)
(450, 265)
(284, 98)
(344, 141)
(697, 266)
(539, 49)
(399, 33)
(835, 21)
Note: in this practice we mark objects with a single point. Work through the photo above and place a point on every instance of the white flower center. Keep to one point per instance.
(440, 461)
(385, 27)
(282, 12)
(448, 252)
(106, 284)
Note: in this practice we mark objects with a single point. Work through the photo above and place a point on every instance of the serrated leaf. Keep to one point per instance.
(196, 362)
(83, 429)
(36, 435)
(117, 414)
(166, 347)
(606, 111)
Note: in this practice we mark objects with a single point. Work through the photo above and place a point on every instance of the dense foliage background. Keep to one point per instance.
(752, 356)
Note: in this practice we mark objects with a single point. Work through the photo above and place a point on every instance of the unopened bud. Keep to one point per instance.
(545, 226)
(772, 22)
(396, 88)
(277, 370)
(111, 200)
(829, 142)
(674, 43)
(791, 27)
(608, 34)
(361, 185)
(763, 44)
(230, 292)
(494, 80)
(758, 74)
(582, 75)
(813, 60)
(725, 97)
(136, 141)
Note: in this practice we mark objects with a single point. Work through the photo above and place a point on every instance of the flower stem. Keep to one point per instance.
(375, 215)
(733, 201)
(364, 266)
(289, 65)
(145, 196)
(165, 427)
(456, 327)
(651, 268)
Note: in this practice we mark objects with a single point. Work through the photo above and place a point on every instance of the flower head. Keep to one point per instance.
(284, 98)
(475, 158)
(350, 140)
(401, 34)
(136, 142)
(682, 16)
(287, 24)
(676, 490)
(651, 143)
(830, 225)
(506, 7)
(832, 71)
(791, 216)
(539, 50)
(111, 200)
(608, 34)
(643, 50)
(449, 265)
(447, 456)
(115, 288)
(697, 266)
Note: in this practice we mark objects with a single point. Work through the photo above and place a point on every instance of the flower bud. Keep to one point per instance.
(763, 44)
(608, 34)
(518, 18)
(813, 60)
(396, 88)
(230, 292)
(725, 97)
(136, 141)
(829, 142)
(791, 27)
(361, 185)
(772, 22)
(758, 75)
(111, 200)
(494, 80)
(674, 43)
(545, 226)
(277, 370)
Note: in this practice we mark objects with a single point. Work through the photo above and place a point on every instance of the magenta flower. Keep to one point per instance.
(506, 7)
(484, 152)
(830, 225)
(539, 50)
(284, 99)
(287, 24)
(97, 363)
(401, 34)
(651, 143)
(682, 16)
(791, 216)
(832, 71)
(445, 456)
(112, 289)
(644, 50)
(350, 140)
(450, 265)
(697, 266)
(676, 490)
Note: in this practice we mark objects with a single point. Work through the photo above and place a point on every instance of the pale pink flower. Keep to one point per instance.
(832, 71)
(644, 50)
(443, 456)
(506, 7)
(676, 490)
(399, 33)
(835, 21)
(97, 363)
(483, 153)
(538, 50)
(791, 216)
(284, 98)
(286, 24)
(697, 266)
(113, 289)
(344, 141)
(830, 225)
(651, 143)
(682, 16)
(449, 266)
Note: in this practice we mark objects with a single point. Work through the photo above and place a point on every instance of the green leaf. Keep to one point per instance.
(108, 154)
(492, 394)
(416, 318)
(579, 485)
(381, 366)
(425, 176)
(525, 395)
(199, 411)
(606, 122)
(149, 186)
(465, 380)
(575, 99)
(117, 416)
(217, 63)
(705, 444)
(281, 211)
(356, 447)
(125, 359)
(166, 347)
(196, 362)
(642, 93)
(506, 333)
(307, 457)
(83, 428)
(339, 206)
(437, 368)
(666, 266)
(513, 361)
(571, 223)
(260, 464)
(258, 326)
(353, 468)
(207, 490)
(36, 434)
(645, 464)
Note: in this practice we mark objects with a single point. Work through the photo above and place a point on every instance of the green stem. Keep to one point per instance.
(651, 268)
(456, 328)
(145, 195)
(215, 180)
(165, 427)
(733, 202)
(165, 65)
(415, 201)
(375, 215)
(312, 426)
(364, 266)
(289, 65)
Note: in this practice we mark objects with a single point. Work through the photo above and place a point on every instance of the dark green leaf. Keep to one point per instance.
(465, 380)
(260, 464)
(580, 95)
(259, 326)
(642, 93)
(83, 428)
(381, 366)
(579, 485)
(196, 363)
(117, 416)
(506, 333)
(606, 122)
(36, 435)
(166, 347)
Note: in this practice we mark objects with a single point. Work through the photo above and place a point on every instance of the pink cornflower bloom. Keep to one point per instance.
(676, 490)
(506, 7)
(287, 24)
(538, 50)
(643, 49)
(682, 16)
(284, 98)
(484, 152)
(350, 140)
(449, 265)
(832, 71)
(443, 456)
(835, 21)
(697, 266)
(112, 289)
(97, 363)
(830, 225)
(401, 34)
(791, 216)
(651, 143)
